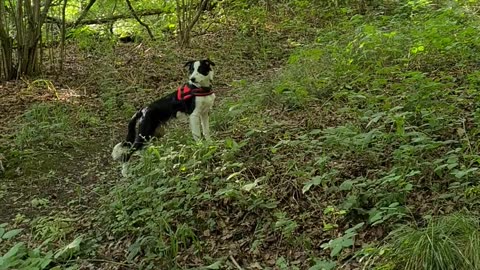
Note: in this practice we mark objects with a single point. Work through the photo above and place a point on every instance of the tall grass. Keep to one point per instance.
(448, 242)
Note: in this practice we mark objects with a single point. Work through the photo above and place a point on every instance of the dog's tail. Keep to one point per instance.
(122, 151)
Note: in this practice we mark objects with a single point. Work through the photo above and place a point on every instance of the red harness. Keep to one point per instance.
(185, 92)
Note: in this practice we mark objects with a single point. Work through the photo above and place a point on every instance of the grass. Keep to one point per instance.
(449, 242)
(54, 125)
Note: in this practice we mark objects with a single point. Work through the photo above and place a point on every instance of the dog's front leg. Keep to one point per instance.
(206, 107)
(204, 118)
(195, 125)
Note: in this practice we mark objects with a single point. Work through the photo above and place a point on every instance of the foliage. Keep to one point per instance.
(446, 242)
(345, 241)
(168, 209)
(334, 128)
(21, 256)
(53, 125)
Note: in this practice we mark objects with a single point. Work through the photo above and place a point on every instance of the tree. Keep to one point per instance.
(24, 20)
(188, 14)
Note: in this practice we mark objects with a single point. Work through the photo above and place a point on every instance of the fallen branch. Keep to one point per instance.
(106, 19)
(235, 263)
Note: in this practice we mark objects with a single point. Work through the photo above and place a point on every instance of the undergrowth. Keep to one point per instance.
(47, 125)
(371, 124)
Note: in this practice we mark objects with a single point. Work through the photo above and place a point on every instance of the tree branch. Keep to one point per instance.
(201, 8)
(84, 12)
(132, 11)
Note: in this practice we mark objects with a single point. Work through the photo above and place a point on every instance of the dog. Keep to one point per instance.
(195, 98)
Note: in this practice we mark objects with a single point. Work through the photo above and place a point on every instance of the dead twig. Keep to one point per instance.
(235, 263)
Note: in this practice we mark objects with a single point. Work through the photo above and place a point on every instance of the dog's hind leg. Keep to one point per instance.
(146, 131)
(122, 150)
(132, 126)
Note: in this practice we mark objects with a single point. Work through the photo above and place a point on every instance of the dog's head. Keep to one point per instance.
(200, 72)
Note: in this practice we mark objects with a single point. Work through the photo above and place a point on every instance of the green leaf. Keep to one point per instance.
(347, 242)
(317, 180)
(11, 234)
(354, 228)
(377, 216)
(336, 250)
(72, 247)
(346, 185)
(14, 250)
(461, 173)
(215, 265)
(45, 263)
(323, 265)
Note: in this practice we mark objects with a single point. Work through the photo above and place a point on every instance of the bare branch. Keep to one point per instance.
(132, 11)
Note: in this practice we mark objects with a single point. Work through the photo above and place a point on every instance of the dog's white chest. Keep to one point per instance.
(204, 103)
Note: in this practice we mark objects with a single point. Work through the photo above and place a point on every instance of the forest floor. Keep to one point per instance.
(325, 141)
(52, 185)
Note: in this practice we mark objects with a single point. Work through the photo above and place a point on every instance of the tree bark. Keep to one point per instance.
(7, 70)
(28, 17)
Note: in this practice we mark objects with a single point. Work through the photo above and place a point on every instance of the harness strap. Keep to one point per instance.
(187, 91)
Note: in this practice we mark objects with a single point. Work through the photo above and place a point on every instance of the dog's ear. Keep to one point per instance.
(187, 64)
(208, 61)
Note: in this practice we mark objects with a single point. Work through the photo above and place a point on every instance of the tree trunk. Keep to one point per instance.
(7, 67)
(28, 17)
(187, 17)
(62, 41)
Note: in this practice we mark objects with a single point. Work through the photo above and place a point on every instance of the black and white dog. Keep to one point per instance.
(194, 98)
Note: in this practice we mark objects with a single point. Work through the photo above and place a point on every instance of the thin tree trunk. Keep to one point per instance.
(187, 20)
(6, 49)
(62, 41)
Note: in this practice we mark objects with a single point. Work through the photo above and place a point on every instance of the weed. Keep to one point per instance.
(345, 241)
(164, 208)
(55, 228)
